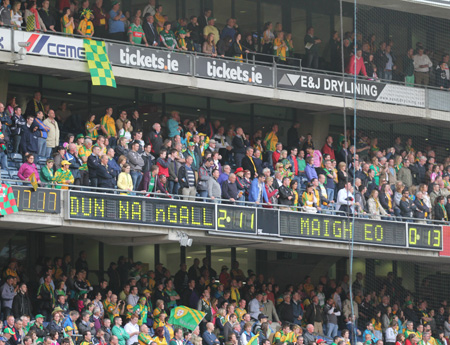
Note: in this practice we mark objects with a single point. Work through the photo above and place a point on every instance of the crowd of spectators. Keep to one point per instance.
(152, 26)
(62, 307)
(198, 158)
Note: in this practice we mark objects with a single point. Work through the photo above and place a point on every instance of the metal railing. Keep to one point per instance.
(329, 211)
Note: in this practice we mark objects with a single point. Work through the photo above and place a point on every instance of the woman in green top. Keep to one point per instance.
(375, 167)
(46, 173)
(374, 148)
(119, 331)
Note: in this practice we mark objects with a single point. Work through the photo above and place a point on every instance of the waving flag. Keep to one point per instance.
(186, 317)
(7, 200)
(254, 340)
(98, 62)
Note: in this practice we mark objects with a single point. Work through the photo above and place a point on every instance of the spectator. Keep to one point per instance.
(33, 23)
(209, 47)
(214, 188)
(167, 37)
(5, 14)
(47, 16)
(105, 174)
(440, 212)
(136, 164)
(100, 19)
(422, 65)
(53, 133)
(356, 64)
(211, 29)
(408, 70)
(151, 34)
(187, 179)
(28, 168)
(116, 27)
(312, 49)
(286, 195)
(257, 192)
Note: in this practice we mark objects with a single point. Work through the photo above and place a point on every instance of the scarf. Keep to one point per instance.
(38, 27)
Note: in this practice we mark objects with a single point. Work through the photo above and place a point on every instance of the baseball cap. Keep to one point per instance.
(80, 136)
(262, 316)
(64, 162)
(38, 316)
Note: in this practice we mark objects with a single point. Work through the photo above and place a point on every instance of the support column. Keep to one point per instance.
(341, 268)
(208, 254)
(182, 255)
(130, 252)
(101, 260)
(261, 261)
(370, 275)
(157, 255)
(321, 127)
(395, 268)
(4, 79)
(233, 255)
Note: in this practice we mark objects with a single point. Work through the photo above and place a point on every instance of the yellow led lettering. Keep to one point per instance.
(325, 224)
(99, 208)
(412, 236)
(136, 213)
(29, 197)
(74, 206)
(252, 221)
(123, 209)
(54, 200)
(184, 214)
(192, 217)
(337, 230)
(368, 232)
(160, 211)
(304, 223)
(204, 218)
(315, 227)
(86, 207)
(437, 238)
(172, 215)
(347, 230)
(379, 233)
(221, 218)
(43, 201)
(240, 220)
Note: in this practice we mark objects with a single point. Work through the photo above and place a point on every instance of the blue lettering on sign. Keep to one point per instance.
(1, 44)
(65, 51)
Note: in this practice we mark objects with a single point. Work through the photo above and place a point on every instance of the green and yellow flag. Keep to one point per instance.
(98, 61)
(254, 340)
(186, 317)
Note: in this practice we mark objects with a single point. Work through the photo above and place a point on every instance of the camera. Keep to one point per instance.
(24, 44)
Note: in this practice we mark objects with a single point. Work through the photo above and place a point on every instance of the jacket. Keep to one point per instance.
(422, 211)
(17, 124)
(239, 144)
(254, 192)
(105, 177)
(135, 160)
(439, 213)
(157, 142)
(214, 188)
(229, 190)
(406, 208)
(74, 166)
(183, 178)
(93, 162)
(270, 311)
(248, 165)
(53, 133)
(204, 174)
(285, 193)
(314, 313)
(151, 34)
(310, 172)
(173, 170)
(375, 211)
(404, 175)
(21, 305)
(29, 141)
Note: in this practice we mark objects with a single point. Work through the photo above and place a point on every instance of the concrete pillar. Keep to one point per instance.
(4, 80)
(320, 130)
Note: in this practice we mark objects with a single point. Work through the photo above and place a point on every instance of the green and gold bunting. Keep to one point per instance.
(7, 200)
(98, 62)
(186, 317)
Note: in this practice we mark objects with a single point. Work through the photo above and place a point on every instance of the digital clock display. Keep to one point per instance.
(424, 236)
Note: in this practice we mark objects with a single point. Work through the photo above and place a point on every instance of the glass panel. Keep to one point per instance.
(245, 11)
(54, 244)
(298, 24)
(321, 23)
(271, 13)
(145, 254)
(193, 8)
(221, 11)
(19, 247)
(90, 246)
